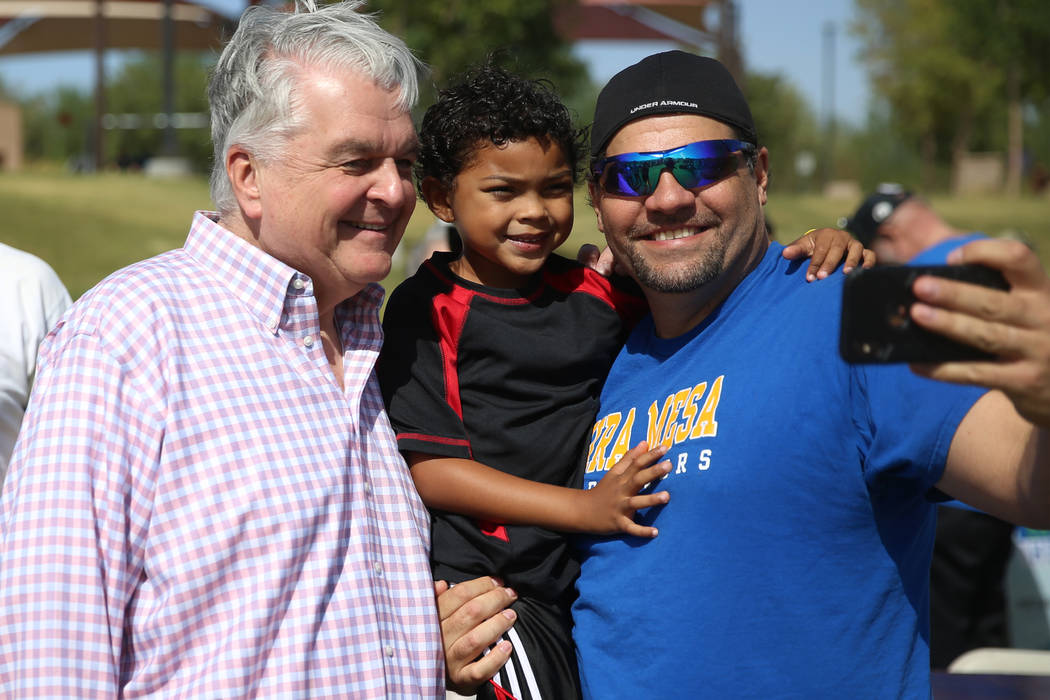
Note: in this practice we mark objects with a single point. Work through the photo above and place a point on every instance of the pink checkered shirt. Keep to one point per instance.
(195, 509)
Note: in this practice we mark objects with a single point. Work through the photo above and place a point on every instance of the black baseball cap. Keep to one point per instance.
(671, 82)
(865, 222)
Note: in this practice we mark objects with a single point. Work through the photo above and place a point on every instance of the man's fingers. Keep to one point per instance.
(1013, 308)
(451, 599)
(474, 614)
(997, 338)
(468, 664)
(1018, 263)
(474, 674)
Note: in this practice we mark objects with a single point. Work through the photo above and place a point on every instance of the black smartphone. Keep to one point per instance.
(876, 326)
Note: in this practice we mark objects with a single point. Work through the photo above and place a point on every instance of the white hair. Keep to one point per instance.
(253, 88)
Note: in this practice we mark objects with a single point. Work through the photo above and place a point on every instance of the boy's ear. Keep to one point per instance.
(436, 195)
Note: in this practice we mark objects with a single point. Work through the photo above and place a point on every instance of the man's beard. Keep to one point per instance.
(681, 276)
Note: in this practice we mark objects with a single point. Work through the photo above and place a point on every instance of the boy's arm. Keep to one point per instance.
(471, 488)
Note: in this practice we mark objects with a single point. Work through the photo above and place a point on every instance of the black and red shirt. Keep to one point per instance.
(509, 378)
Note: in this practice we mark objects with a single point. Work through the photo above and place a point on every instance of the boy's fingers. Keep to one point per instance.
(869, 258)
(631, 460)
(636, 530)
(649, 500)
(653, 473)
(827, 252)
(854, 255)
(588, 255)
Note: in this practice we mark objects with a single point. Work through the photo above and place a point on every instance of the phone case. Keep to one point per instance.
(876, 326)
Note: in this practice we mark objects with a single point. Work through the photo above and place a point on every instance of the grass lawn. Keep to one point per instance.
(87, 226)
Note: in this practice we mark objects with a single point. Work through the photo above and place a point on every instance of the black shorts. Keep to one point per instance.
(542, 665)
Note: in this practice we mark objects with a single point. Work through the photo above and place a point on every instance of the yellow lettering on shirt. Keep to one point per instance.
(623, 441)
(680, 418)
(706, 425)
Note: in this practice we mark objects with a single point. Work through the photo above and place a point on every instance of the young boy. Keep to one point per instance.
(493, 361)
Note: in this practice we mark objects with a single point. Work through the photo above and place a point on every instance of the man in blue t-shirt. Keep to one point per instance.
(971, 549)
(794, 551)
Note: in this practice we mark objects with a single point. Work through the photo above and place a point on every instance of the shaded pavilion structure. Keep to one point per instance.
(37, 26)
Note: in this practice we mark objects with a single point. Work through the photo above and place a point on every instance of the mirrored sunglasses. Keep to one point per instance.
(693, 165)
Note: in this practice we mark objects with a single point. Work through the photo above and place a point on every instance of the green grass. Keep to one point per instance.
(87, 226)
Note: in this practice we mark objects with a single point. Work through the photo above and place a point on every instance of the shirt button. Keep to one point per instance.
(378, 568)
(389, 650)
(368, 489)
(308, 341)
(298, 283)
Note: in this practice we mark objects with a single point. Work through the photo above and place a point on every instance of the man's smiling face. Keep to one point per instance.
(677, 240)
(336, 205)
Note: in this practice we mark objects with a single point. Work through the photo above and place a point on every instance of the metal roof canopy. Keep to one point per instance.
(36, 26)
(683, 21)
(31, 26)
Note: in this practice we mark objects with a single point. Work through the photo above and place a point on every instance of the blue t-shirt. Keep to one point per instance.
(793, 557)
(936, 254)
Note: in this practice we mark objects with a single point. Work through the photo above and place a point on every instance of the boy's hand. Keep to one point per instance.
(1013, 325)
(826, 248)
(474, 614)
(601, 261)
(610, 506)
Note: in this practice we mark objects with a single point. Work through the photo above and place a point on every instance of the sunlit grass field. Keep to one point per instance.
(87, 226)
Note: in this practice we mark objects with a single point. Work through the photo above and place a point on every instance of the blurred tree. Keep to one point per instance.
(955, 72)
(1013, 36)
(452, 35)
(786, 126)
(934, 88)
(56, 125)
(136, 90)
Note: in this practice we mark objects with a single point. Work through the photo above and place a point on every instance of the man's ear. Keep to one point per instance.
(594, 195)
(243, 170)
(436, 195)
(762, 174)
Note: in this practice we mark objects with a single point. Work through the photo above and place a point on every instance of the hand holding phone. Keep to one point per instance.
(877, 327)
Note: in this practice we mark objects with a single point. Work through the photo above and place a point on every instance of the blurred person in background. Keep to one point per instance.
(34, 299)
(971, 549)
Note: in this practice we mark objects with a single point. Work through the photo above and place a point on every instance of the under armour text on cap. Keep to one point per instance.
(671, 82)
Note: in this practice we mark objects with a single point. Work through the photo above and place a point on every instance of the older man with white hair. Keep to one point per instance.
(207, 499)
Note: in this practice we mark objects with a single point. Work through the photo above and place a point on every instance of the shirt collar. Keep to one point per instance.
(259, 281)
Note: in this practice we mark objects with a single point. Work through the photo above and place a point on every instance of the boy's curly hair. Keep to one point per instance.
(492, 105)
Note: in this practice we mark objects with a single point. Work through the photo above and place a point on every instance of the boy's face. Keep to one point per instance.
(512, 205)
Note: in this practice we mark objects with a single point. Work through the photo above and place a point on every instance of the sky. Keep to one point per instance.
(777, 36)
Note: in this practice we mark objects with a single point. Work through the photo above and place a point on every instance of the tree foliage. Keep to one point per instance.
(956, 74)
(785, 125)
(452, 35)
(137, 89)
